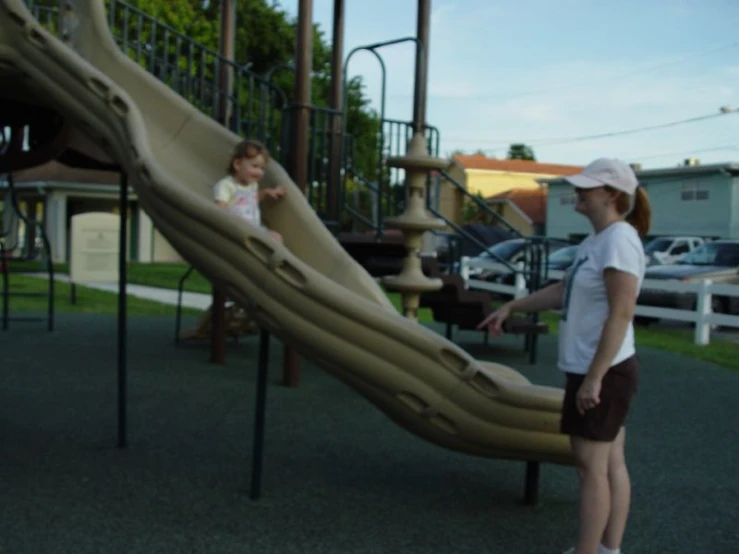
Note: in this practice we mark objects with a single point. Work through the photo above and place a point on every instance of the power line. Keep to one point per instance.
(684, 153)
(565, 140)
(614, 77)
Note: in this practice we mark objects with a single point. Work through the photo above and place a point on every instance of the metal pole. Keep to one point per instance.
(300, 117)
(227, 35)
(422, 59)
(259, 416)
(122, 313)
(227, 50)
(337, 45)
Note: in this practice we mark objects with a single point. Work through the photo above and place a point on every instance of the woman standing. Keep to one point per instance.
(596, 344)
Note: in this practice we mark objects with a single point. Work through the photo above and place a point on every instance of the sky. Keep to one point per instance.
(545, 72)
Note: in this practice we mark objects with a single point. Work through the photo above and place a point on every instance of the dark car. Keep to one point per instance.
(562, 258)
(717, 260)
(558, 261)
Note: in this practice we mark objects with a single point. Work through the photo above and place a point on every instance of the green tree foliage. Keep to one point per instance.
(265, 44)
(472, 212)
(520, 151)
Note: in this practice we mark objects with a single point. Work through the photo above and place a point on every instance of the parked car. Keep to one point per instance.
(562, 258)
(717, 260)
(667, 250)
(512, 252)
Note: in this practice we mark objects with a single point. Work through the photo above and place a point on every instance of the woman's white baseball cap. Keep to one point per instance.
(606, 171)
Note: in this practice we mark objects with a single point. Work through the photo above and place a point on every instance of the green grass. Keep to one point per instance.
(720, 351)
(163, 275)
(89, 301)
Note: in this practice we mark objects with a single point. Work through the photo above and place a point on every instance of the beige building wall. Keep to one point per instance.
(162, 251)
(514, 215)
(489, 183)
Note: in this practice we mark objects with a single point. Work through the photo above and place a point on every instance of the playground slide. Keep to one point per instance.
(309, 293)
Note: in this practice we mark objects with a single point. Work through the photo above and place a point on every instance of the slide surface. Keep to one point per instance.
(310, 292)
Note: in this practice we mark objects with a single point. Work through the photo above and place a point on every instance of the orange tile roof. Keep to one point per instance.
(478, 161)
(532, 202)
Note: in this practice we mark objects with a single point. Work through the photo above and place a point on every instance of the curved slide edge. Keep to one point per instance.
(309, 293)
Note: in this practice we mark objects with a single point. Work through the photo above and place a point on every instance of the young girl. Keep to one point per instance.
(239, 191)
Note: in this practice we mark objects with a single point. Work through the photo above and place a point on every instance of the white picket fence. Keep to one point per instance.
(703, 317)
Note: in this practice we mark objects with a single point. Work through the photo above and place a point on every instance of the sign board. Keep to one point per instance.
(94, 248)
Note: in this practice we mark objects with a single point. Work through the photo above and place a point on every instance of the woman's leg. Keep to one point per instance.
(620, 486)
(591, 459)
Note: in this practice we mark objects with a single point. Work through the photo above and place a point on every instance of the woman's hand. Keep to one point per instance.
(494, 322)
(588, 395)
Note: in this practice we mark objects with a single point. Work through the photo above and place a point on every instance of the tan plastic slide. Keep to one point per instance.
(309, 293)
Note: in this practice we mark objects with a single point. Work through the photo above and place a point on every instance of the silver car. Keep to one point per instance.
(717, 260)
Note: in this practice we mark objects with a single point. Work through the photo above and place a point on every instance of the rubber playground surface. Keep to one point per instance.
(339, 476)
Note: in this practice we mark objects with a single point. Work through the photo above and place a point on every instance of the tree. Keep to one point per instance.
(520, 151)
(265, 43)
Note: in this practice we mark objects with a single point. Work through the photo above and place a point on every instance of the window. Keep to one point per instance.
(680, 248)
(694, 190)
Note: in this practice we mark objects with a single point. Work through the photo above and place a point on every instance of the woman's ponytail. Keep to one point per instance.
(641, 214)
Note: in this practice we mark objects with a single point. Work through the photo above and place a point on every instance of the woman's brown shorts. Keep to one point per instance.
(603, 422)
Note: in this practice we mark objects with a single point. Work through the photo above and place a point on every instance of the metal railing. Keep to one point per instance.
(260, 109)
(28, 252)
(194, 71)
(536, 248)
(383, 189)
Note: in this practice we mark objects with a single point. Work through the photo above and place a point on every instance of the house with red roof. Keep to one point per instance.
(511, 187)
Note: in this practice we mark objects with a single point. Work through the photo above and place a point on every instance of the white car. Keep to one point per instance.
(667, 250)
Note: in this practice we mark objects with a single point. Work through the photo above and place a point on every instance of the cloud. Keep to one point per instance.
(539, 112)
(452, 88)
(440, 14)
(493, 119)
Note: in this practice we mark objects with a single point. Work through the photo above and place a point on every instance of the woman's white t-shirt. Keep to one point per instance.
(585, 305)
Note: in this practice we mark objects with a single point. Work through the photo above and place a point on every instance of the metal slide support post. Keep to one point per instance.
(531, 489)
(218, 315)
(122, 315)
(299, 113)
(259, 416)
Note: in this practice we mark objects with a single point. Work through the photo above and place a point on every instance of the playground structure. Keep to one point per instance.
(310, 293)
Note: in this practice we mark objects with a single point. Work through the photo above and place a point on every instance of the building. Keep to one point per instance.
(692, 199)
(55, 192)
(525, 209)
(488, 176)
(492, 179)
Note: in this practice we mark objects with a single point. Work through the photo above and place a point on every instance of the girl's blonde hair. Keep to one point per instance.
(247, 149)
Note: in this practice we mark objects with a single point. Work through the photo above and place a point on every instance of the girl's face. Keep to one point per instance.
(591, 202)
(249, 170)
